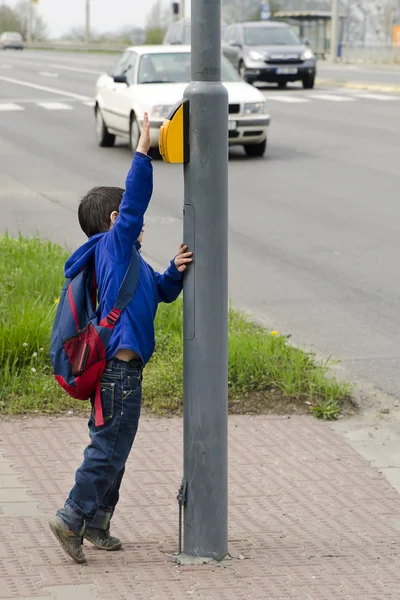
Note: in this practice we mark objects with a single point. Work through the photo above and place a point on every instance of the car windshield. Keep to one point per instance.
(12, 35)
(270, 36)
(174, 67)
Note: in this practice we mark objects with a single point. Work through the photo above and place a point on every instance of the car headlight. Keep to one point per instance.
(307, 55)
(161, 111)
(254, 108)
(255, 55)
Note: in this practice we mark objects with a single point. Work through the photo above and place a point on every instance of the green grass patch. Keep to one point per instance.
(266, 373)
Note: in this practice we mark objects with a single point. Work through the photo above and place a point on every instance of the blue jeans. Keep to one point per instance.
(93, 498)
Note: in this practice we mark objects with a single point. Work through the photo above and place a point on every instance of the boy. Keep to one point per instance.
(113, 220)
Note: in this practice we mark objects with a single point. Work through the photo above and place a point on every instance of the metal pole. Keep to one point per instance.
(87, 22)
(183, 9)
(334, 29)
(29, 23)
(206, 294)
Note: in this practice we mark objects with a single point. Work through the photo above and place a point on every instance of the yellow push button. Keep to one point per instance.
(174, 134)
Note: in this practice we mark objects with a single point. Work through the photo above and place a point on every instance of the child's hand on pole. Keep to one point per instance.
(183, 258)
(144, 141)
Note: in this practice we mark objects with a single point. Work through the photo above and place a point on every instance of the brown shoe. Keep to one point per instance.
(102, 539)
(69, 541)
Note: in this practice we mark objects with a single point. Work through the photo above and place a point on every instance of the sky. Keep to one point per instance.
(106, 15)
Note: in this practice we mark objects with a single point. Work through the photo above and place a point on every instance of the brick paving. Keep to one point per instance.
(309, 518)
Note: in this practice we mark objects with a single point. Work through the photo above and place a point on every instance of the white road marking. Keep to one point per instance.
(287, 99)
(76, 69)
(10, 106)
(6, 66)
(91, 103)
(332, 98)
(54, 106)
(48, 74)
(43, 88)
(380, 97)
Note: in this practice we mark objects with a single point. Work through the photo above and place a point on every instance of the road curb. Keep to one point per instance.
(360, 85)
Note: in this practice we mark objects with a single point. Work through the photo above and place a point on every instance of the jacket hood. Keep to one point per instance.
(84, 255)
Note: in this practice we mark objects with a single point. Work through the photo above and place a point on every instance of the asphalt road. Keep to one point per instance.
(314, 227)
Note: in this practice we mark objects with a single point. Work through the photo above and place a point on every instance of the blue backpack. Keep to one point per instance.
(79, 341)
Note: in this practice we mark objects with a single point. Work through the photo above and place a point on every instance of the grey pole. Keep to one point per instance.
(87, 22)
(206, 294)
(334, 29)
(29, 24)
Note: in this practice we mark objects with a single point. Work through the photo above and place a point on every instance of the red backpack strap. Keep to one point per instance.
(98, 409)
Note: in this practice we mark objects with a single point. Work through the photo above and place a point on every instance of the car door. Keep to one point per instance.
(229, 48)
(109, 89)
(122, 100)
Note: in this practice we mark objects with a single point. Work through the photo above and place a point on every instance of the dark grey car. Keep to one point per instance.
(179, 32)
(271, 51)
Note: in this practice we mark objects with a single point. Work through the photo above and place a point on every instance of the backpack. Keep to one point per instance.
(79, 341)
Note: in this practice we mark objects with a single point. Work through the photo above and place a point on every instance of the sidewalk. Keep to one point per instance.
(309, 518)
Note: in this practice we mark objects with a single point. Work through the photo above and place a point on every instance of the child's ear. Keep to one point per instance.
(113, 218)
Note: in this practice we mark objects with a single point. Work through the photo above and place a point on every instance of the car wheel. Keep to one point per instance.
(308, 82)
(104, 137)
(134, 133)
(256, 150)
(282, 85)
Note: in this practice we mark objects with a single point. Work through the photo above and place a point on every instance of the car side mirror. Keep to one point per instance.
(120, 79)
(306, 42)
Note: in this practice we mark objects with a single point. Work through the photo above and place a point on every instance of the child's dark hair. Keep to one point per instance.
(96, 207)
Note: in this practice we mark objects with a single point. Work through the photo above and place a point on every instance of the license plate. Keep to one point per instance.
(232, 125)
(286, 71)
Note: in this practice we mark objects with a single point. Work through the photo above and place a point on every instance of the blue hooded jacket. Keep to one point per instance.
(112, 252)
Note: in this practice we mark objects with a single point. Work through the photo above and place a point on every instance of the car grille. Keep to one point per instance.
(234, 109)
(292, 59)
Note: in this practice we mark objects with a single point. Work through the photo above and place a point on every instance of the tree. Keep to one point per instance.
(235, 11)
(9, 21)
(157, 22)
(16, 19)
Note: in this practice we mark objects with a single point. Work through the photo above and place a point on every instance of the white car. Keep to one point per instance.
(153, 79)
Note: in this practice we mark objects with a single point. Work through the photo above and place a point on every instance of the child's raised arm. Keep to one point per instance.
(138, 192)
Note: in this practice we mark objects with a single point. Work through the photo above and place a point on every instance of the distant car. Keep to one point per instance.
(271, 51)
(11, 40)
(179, 32)
(153, 79)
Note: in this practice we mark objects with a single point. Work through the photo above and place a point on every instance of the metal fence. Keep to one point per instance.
(370, 53)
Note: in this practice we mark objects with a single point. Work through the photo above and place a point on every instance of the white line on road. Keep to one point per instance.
(10, 106)
(384, 97)
(43, 88)
(6, 66)
(332, 98)
(287, 99)
(76, 69)
(48, 74)
(54, 106)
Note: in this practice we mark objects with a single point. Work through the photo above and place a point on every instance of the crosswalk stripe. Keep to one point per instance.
(54, 106)
(287, 99)
(332, 98)
(384, 97)
(10, 106)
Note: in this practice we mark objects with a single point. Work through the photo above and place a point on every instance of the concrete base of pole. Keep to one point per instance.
(187, 559)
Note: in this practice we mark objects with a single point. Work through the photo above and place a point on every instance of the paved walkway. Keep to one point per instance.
(309, 518)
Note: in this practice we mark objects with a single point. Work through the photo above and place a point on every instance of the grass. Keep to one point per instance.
(266, 373)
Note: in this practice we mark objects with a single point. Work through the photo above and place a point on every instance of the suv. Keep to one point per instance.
(11, 39)
(179, 32)
(272, 52)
